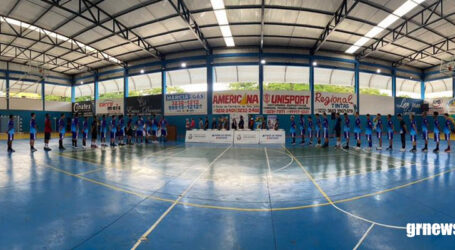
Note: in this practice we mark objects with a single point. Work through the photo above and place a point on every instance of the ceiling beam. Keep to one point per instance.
(99, 18)
(340, 14)
(262, 23)
(183, 11)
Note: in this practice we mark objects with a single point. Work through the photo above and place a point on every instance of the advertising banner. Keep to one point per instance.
(226, 102)
(109, 106)
(186, 104)
(407, 106)
(334, 103)
(221, 136)
(246, 137)
(442, 105)
(272, 137)
(286, 102)
(85, 109)
(371, 104)
(197, 136)
(144, 105)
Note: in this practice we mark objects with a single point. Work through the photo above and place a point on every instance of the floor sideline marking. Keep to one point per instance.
(333, 204)
(157, 222)
(364, 236)
(269, 176)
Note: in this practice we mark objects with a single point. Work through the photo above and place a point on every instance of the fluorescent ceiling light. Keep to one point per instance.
(54, 35)
(263, 61)
(183, 65)
(405, 8)
(221, 17)
(229, 41)
(217, 4)
(374, 31)
(361, 41)
(315, 63)
(226, 31)
(389, 20)
(352, 49)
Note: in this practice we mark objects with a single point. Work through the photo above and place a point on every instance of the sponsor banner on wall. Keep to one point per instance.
(86, 108)
(186, 104)
(197, 136)
(272, 137)
(109, 106)
(221, 136)
(144, 105)
(442, 105)
(334, 103)
(246, 137)
(226, 102)
(286, 102)
(408, 106)
(372, 104)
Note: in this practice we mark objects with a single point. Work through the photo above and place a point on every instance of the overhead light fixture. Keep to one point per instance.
(82, 82)
(384, 24)
(53, 35)
(378, 71)
(223, 22)
(263, 61)
(183, 65)
(315, 63)
(142, 71)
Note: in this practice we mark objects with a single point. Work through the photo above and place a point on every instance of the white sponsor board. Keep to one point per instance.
(334, 102)
(2, 103)
(221, 136)
(196, 136)
(272, 136)
(109, 106)
(227, 102)
(186, 104)
(286, 102)
(441, 105)
(371, 104)
(246, 137)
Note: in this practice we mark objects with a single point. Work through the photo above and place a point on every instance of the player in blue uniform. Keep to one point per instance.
(163, 127)
(61, 131)
(85, 129)
(357, 130)
(369, 132)
(390, 131)
(75, 129)
(302, 128)
(325, 130)
(139, 130)
(378, 129)
(448, 123)
(121, 130)
(113, 129)
(413, 133)
(310, 129)
(318, 128)
(33, 130)
(292, 129)
(346, 130)
(436, 131)
(10, 134)
(155, 129)
(103, 131)
(425, 131)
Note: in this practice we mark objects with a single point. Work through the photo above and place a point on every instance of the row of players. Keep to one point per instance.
(320, 129)
(223, 123)
(152, 129)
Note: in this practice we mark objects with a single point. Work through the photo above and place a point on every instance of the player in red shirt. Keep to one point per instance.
(47, 132)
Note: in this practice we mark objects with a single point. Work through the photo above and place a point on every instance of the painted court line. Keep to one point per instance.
(157, 222)
(364, 236)
(335, 206)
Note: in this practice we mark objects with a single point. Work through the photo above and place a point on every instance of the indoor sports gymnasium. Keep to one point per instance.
(227, 124)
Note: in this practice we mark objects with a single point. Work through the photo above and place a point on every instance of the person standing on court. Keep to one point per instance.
(357, 130)
(206, 123)
(302, 129)
(234, 124)
(413, 132)
(47, 132)
(369, 132)
(251, 123)
(241, 123)
(94, 130)
(337, 129)
(75, 129)
(10, 134)
(390, 131)
(201, 123)
(447, 130)
(403, 131)
(378, 127)
(346, 130)
(425, 131)
(61, 131)
(85, 128)
(325, 130)
(436, 131)
(292, 130)
(33, 129)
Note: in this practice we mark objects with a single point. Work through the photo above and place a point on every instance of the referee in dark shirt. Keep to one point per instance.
(337, 129)
(403, 131)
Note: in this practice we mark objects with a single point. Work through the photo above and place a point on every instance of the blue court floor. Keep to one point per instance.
(201, 196)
